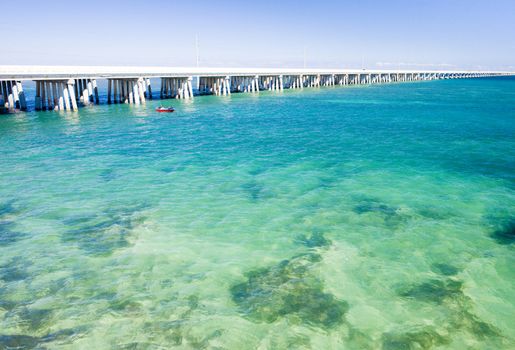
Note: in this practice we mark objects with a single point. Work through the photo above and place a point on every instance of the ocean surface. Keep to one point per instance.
(374, 217)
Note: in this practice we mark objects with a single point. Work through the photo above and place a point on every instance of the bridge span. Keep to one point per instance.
(66, 88)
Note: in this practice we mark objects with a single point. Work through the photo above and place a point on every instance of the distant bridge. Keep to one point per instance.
(64, 88)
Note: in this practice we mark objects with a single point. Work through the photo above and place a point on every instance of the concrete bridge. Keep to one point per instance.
(64, 88)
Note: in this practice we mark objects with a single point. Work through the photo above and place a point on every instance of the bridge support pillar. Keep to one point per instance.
(226, 85)
(255, 84)
(12, 96)
(58, 95)
(179, 88)
(123, 91)
(140, 85)
(95, 90)
(71, 92)
(148, 90)
(241, 84)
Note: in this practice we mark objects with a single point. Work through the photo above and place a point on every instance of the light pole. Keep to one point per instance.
(304, 57)
(197, 59)
(196, 48)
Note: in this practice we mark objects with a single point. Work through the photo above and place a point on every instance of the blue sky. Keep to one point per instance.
(340, 34)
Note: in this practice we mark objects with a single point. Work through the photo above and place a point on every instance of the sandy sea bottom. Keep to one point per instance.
(340, 218)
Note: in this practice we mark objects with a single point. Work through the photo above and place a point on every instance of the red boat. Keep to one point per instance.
(162, 109)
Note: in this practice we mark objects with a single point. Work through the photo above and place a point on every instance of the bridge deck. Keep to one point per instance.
(63, 72)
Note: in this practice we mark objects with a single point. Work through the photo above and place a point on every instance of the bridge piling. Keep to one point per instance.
(71, 92)
(44, 97)
(21, 95)
(64, 90)
(149, 89)
(95, 90)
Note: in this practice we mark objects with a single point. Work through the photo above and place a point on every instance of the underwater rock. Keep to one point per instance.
(462, 318)
(316, 239)
(253, 189)
(166, 283)
(171, 329)
(8, 235)
(374, 207)
(135, 346)
(108, 175)
(33, 319)
(288, 288)
(445, 269)
(15, 270)
(203, 343)
(256, 170)
(392, 216)
(7, 208)
(506, 233)
(481, 329)
(105, 295)
(25, 342)
(435, 291)
(450, 293)
(68, 334)
(295, 341)
(359, 340)
(102, 235)
(328, 181)
(176, 331)
(416, 339)
(175, 337)
(193, 302)
(190, 277)
(435, 213)
(12, 274)
(7, 305)
(172, 168)
(18, 342)
(167, 169)
(128, 306)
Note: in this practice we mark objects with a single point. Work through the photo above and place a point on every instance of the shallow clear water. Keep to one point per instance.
(367, 217)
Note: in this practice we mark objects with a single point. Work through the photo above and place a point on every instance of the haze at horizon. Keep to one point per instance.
(371, 34)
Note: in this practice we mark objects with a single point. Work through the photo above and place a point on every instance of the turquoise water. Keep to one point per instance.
(377, 217)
